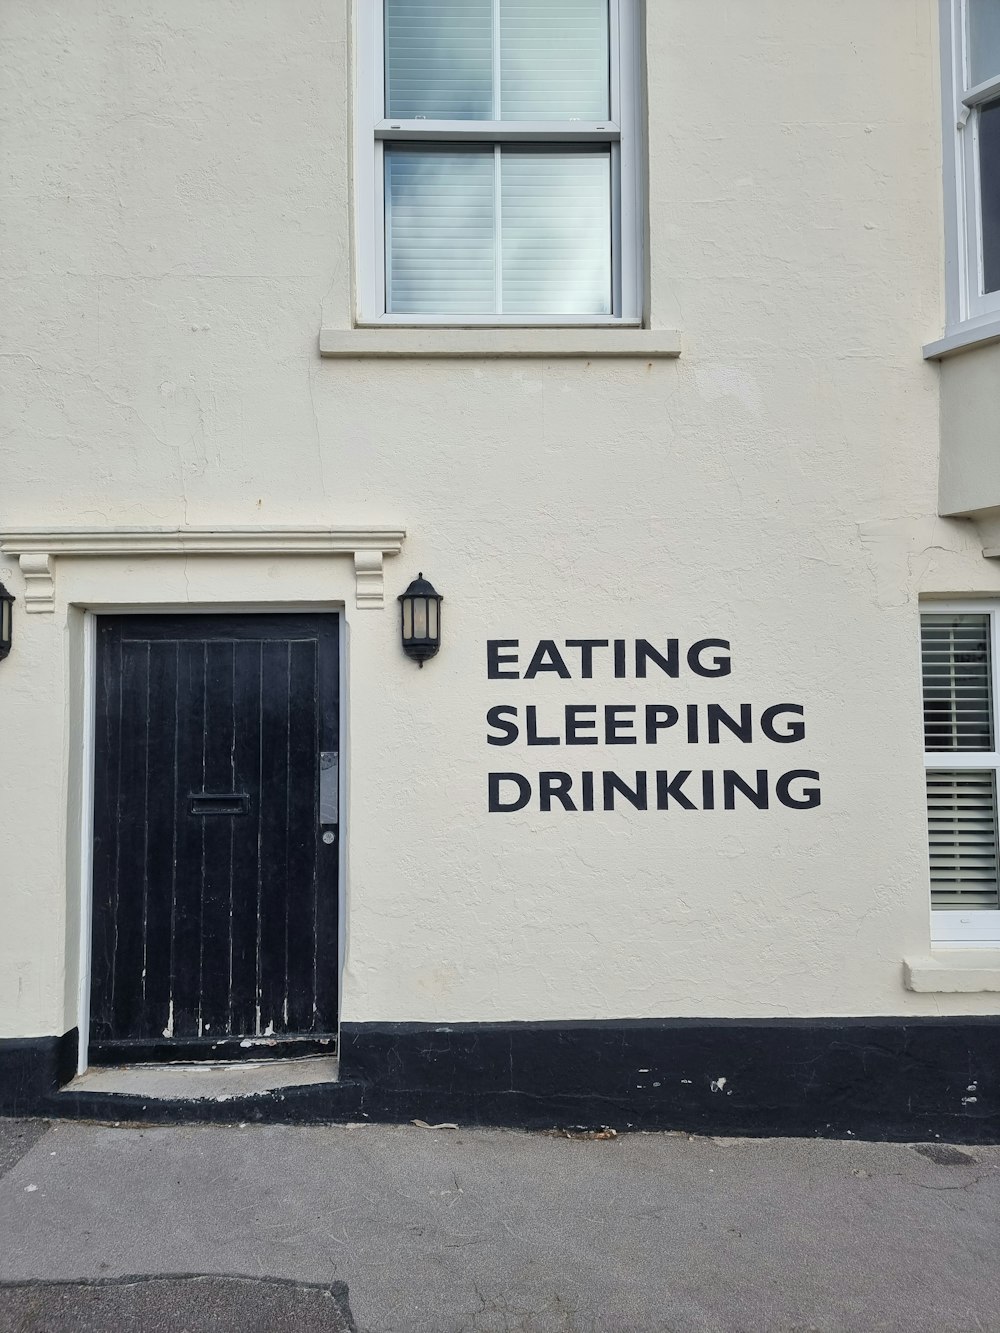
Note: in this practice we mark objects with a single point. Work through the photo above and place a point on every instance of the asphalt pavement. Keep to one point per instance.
(443, 1230)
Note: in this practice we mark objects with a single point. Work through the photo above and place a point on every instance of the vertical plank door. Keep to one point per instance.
(215, 909)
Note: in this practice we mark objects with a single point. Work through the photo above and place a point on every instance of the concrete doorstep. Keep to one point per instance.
(436, 1229)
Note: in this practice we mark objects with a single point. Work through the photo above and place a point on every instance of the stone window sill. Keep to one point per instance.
(965, 337)
(395, 341)
(954, 972)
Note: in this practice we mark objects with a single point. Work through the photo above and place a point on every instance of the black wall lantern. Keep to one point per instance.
(6, 621)
(421, 625)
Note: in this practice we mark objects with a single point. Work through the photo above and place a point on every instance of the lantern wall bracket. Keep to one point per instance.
(39, 549)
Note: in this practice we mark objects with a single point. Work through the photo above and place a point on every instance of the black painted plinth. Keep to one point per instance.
(32, 1069)
(876, 1078)
(873, 1078)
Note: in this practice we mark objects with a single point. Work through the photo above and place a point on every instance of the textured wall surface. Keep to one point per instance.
(177, 210)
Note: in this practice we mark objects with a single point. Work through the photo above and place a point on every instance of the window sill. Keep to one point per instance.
(954, 972)
(974, 333)
(388, 341)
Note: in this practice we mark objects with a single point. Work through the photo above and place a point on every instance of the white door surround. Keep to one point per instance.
(38, 548)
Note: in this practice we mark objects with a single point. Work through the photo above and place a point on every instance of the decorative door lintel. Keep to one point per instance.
(39, 550)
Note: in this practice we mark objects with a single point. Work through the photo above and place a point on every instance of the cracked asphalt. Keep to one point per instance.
(493, 1231)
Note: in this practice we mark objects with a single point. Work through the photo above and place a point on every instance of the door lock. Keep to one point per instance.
(329, 790)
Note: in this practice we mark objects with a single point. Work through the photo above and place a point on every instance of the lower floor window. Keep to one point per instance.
(959, 660)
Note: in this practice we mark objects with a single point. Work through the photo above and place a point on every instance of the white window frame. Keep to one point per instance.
(968, 305)
(621, 131)
(955, 929)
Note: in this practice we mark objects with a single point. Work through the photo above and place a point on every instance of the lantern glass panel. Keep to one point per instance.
(420, 617)
(407, 619)
(4, 622)
(432, 618)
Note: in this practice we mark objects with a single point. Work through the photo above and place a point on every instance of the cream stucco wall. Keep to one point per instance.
(177, 208)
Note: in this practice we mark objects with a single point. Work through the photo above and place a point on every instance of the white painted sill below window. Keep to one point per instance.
(395, 341)
(954, 972)
(964, 337)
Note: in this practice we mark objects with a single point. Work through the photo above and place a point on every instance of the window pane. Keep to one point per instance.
(439, 59)
(984, 40)
(989, 193)
(962, 830)
(554, 59)
(556, 231)
(440, 256)
(958, 712)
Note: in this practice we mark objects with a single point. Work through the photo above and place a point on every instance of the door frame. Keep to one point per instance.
(91, 614)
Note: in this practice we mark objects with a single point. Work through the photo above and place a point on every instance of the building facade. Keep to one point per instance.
(660, 339)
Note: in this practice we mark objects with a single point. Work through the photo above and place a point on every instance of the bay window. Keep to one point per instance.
(972, 155)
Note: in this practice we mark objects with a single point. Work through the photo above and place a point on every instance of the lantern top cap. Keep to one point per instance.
(420, 587)
(6, 596)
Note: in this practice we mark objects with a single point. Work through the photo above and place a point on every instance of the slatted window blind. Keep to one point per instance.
(440, 229)
(497, 59)
(958, 706)
(495, 203)
(448, 251)
(957, 664)
(962, 829)
(553, 59)
(555, 241)
(439, 59)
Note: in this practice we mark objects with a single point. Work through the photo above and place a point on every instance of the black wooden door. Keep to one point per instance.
(215, 908)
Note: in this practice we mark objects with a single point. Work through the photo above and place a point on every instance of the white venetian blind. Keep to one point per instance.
(440, 254)
(961, 802)
(955, 655)
(962, 830)
(554, 59)
(446, 239)
(555, 233)
(439, 59)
